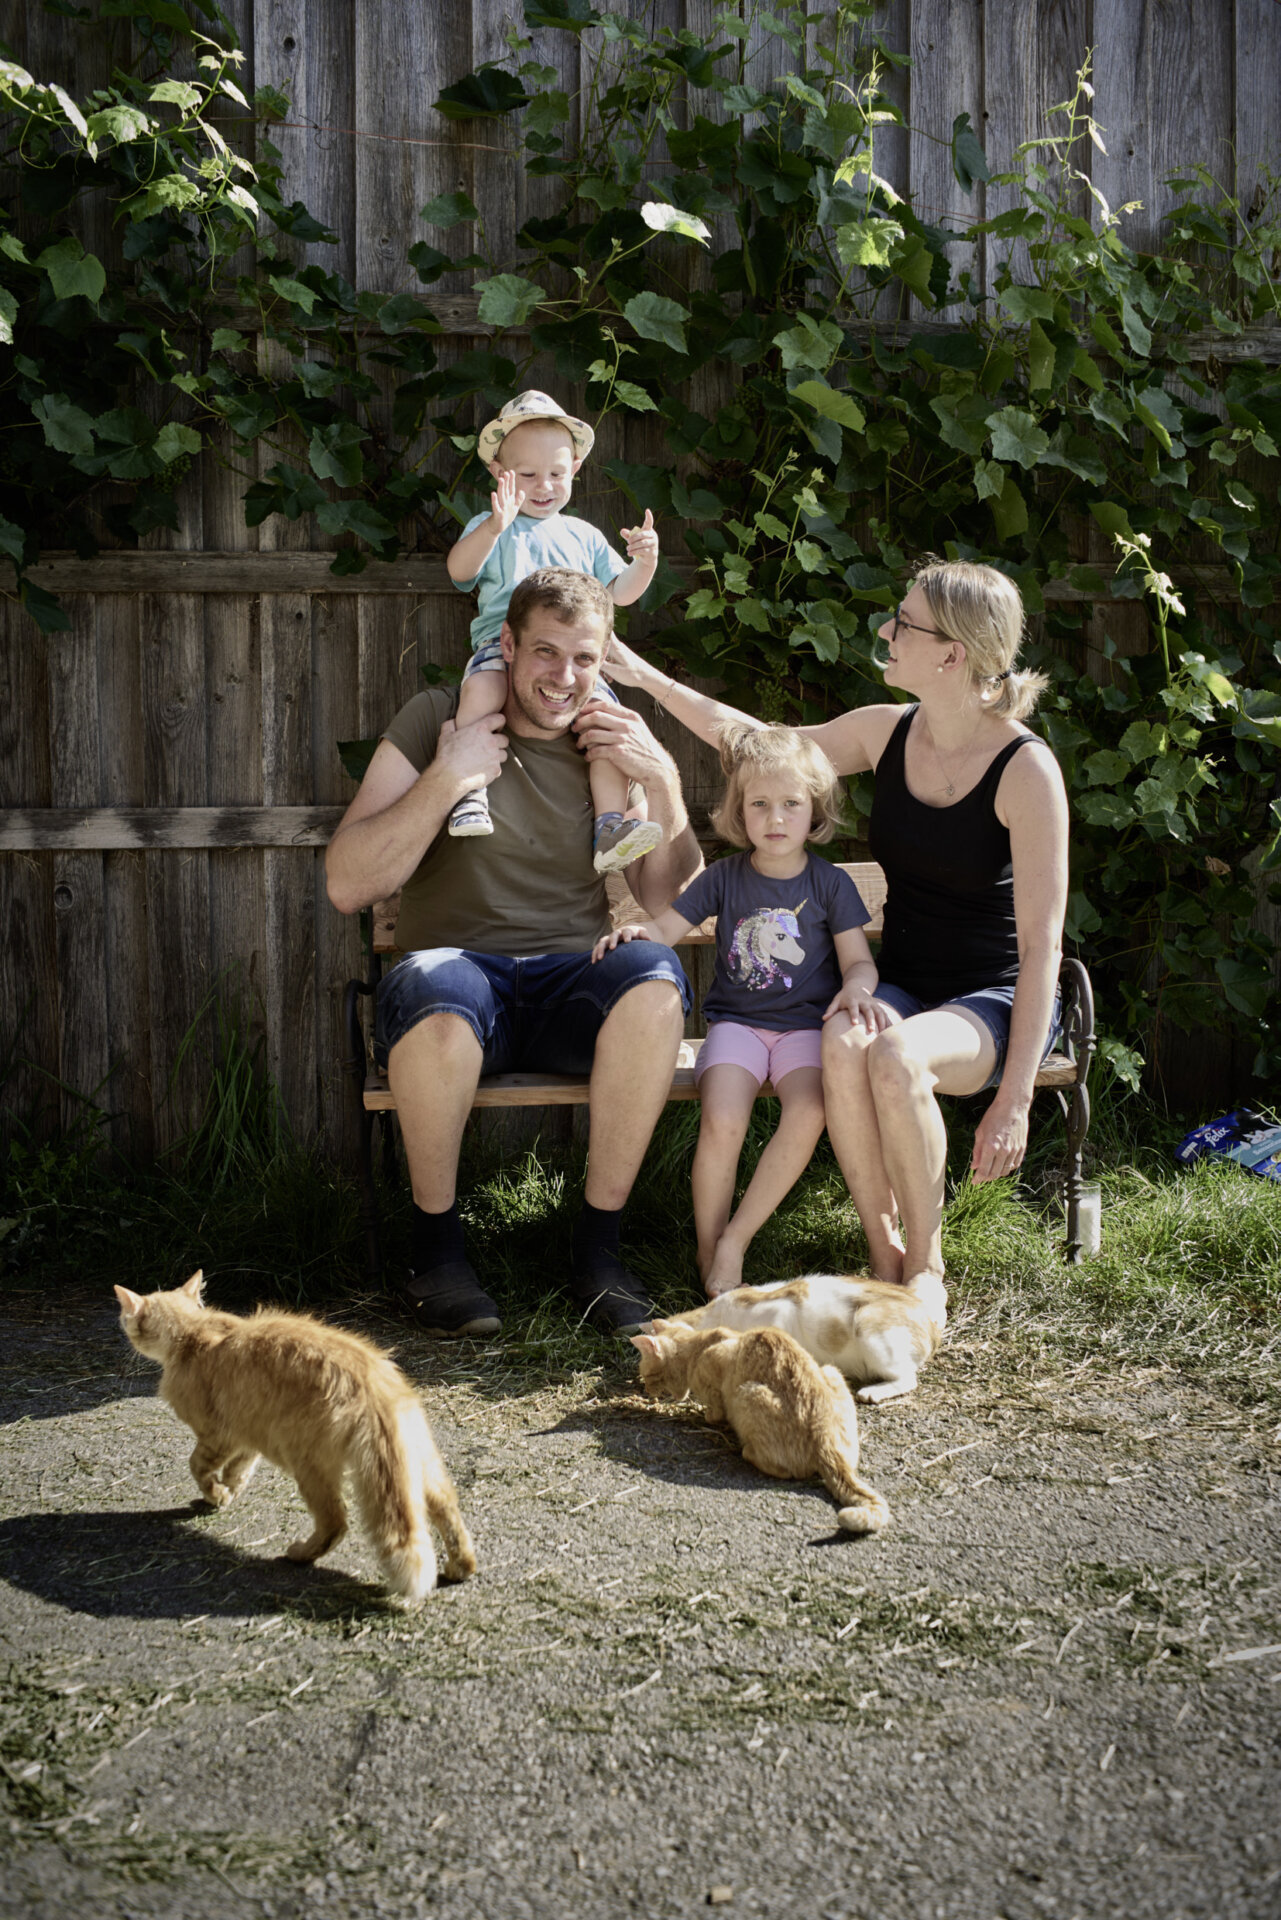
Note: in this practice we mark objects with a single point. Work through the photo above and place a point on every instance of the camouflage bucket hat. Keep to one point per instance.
(528, 406)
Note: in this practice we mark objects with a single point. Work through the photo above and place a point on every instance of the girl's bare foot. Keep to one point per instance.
(725, 1272)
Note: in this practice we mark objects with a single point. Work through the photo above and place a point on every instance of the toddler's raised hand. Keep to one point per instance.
(641, 542)
(505, 502)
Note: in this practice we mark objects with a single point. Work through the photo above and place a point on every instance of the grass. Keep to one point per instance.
(1189, 1274)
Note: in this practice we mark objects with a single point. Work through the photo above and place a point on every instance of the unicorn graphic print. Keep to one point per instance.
(763, 944)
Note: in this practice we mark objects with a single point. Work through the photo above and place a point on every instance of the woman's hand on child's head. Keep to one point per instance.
(506, 501)
(641, 542)
(621, 664)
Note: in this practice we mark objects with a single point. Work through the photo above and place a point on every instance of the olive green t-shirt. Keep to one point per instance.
(529, 887)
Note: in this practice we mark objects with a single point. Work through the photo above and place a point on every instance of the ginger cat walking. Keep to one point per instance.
(317, 1402)
(793, 1417)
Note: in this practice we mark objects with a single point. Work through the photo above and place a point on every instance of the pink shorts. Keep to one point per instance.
(766, 1055)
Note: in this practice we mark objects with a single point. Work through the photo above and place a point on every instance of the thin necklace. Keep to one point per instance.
(949, 786)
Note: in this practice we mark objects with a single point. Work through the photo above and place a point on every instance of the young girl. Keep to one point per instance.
(790, 953)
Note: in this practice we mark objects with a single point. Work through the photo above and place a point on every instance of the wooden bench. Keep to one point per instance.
(1064, 1073)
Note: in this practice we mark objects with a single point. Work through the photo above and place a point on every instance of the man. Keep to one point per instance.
(499, 975)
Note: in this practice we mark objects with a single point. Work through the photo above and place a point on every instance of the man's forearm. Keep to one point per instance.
(672, 865)
(369, 859)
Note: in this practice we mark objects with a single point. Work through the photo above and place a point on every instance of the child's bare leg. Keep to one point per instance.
(727, 1094)
(481, 693)
(622, 834)
(799, 1130)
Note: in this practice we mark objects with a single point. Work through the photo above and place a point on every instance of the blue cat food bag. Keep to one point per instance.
(1245, 1137)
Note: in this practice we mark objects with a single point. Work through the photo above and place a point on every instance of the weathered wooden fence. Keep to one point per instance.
(169, 766)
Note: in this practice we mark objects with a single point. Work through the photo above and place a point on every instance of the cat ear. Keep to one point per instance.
(645, 1342)
(194, 1287)
(131, 1302)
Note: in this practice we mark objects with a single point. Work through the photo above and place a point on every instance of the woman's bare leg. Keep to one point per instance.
(799, 1130)
(853, 1128)
(727, 1094)
(946, 1051)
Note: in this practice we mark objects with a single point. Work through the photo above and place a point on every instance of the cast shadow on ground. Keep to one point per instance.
(49, 1372)
(159, 1565)
(677, 1447)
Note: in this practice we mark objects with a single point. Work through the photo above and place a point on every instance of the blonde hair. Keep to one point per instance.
(981, 607)
(749, 752)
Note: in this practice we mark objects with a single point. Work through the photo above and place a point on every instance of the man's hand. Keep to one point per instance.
(616, 734)
(471, 756)
(505, 502)
(641, 542)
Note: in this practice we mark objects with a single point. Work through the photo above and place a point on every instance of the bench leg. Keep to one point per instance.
(355, 1067)
(1076, 1110)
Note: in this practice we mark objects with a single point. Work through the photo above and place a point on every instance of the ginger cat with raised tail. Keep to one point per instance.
(318, 1403)
(793, 1417)
(879, 1335)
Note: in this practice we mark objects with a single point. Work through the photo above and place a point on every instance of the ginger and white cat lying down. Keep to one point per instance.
(878, 1335)
(317, 1402)
(793, 1418)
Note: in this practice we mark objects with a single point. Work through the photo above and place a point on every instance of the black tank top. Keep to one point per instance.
(949, 914)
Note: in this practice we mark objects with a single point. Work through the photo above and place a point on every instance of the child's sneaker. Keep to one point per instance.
(469, 817)
(618, 842)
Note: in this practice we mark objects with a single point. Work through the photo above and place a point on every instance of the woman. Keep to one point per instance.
(969, 821)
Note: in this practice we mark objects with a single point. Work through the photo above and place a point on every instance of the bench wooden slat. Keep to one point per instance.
(563, 1090)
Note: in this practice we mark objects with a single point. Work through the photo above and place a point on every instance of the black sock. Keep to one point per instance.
(435, 1239)
(596, 1235)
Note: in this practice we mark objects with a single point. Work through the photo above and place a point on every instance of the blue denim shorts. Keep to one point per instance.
(537, 1016)
(992, 1005)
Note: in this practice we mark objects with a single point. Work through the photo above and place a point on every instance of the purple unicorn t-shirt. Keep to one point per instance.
(775, 961)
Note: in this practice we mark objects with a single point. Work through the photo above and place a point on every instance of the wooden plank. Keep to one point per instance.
(947, 79)
(289, 983)
(1031, 54)
(1257, 80)
(402, 58)
(1163, 95)
(172, 646)
(155, 829)
(409, 580)
(80, 979)
(306, 48)
(28, 1027)
(120, 757)
(335, 716)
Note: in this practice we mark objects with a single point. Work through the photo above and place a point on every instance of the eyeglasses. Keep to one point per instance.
(913, 626)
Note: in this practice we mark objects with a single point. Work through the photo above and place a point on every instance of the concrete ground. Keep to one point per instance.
(1051, 1687)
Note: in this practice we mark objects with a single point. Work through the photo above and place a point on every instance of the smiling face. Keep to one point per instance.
(541, 456)
(552, 668)
(778, 814)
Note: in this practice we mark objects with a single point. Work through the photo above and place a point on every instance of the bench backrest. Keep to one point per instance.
(865, 874)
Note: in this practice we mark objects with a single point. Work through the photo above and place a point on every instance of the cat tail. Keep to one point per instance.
(860, 1508)
(386, 1466)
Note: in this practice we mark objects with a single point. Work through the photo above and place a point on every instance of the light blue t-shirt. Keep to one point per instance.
(527, 545)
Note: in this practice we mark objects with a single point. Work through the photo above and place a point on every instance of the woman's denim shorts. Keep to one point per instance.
(540, 1015)
(992, 1005)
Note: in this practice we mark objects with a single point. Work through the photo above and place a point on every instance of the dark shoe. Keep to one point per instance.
(449, 1302)
(610, 1297)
